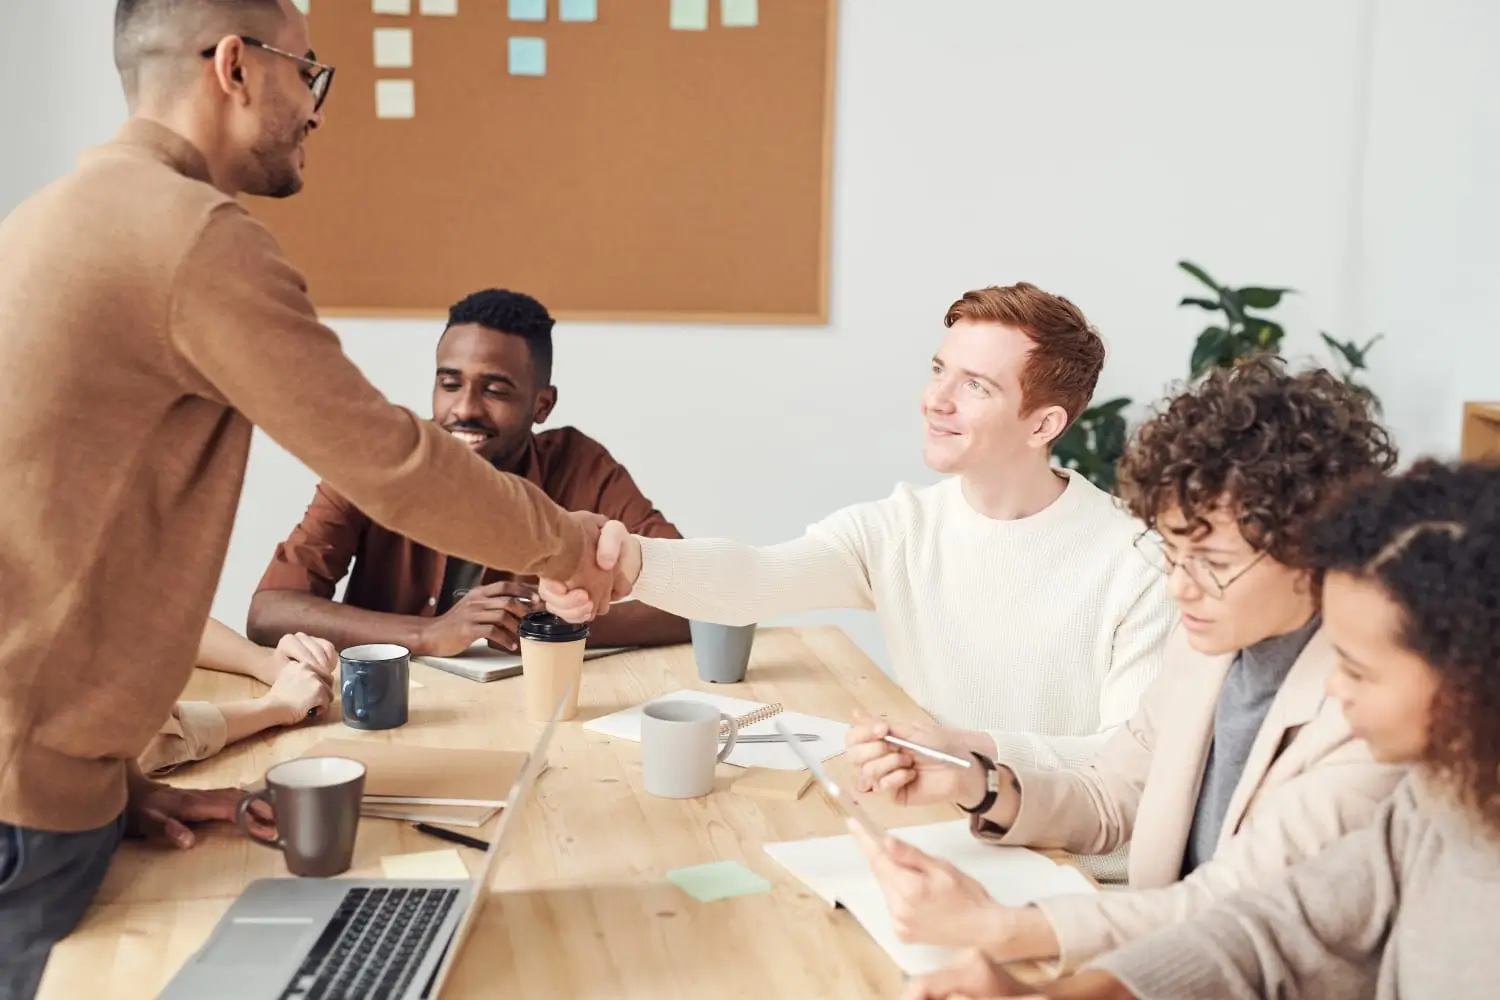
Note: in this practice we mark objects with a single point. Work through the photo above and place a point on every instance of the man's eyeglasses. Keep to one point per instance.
(322, 77)
(1196, 567)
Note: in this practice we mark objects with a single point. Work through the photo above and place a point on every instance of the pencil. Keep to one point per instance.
(449, 835)
(947, 758)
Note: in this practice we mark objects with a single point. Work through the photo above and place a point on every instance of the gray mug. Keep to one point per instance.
(680, 747)
(722, 652)
(376, 685)
(317, 802)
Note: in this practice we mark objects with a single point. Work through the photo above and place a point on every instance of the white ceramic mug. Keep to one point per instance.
(680, 747)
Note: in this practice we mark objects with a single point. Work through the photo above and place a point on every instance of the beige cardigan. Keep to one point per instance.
(1307, 781)
(1400, 910)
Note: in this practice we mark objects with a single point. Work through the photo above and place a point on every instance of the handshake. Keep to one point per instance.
(607, 571)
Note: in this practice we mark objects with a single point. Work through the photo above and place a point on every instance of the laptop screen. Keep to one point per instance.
(519, 791)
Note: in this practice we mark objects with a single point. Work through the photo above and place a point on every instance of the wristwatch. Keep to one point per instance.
(991, 786)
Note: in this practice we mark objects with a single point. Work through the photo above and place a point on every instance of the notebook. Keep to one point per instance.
(626, 725)
(402, 774)
(482, 663)
(835, 869)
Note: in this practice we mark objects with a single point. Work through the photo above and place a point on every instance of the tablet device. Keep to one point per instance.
(844, 799)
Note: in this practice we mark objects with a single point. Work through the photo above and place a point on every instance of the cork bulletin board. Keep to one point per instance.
(632, 160)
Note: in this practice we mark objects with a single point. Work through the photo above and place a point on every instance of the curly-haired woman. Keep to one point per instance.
(1237, 763)
(1405, 907)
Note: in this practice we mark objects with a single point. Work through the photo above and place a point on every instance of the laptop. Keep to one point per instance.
(349, 939)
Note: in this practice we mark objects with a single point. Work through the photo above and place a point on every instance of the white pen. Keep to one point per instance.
(947, 758)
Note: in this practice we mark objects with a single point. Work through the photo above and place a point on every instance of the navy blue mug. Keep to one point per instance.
(376, 685)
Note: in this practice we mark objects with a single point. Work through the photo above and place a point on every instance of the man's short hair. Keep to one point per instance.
(515, 313)
(1066, 359)
(154, 29)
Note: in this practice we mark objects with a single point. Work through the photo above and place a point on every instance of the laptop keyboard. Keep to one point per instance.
(372, 946)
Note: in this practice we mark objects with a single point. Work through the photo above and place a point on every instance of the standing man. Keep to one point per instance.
(147, 322)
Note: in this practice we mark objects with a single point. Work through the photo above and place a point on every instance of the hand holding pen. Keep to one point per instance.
(916, 763)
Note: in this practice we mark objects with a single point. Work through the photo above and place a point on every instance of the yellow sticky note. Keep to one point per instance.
(395, 99)
(425, 865)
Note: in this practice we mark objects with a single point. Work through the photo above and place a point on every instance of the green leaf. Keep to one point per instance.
(1261, 298)
(1232, 306)
(1214, 348)
(1348, 352)
(1101, 411)
(1198, 273)
(1212, 305)
(1109, 439)
(1262, 334)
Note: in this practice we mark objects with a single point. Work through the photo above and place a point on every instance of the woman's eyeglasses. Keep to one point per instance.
(1196, 567)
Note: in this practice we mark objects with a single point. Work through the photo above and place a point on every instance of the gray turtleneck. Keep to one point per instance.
(1246, 697)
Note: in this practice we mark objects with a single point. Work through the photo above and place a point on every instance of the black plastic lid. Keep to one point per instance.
(543, 626)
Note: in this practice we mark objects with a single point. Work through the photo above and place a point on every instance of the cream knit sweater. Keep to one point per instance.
(1043, 631)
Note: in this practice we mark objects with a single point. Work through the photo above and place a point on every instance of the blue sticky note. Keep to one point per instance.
(689, 15)
(528, 57)
(578, 10)
(528, 10)
(739, 13)
(719, 880)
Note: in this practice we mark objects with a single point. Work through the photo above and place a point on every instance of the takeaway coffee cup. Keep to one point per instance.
(317, 803)
(551, 663)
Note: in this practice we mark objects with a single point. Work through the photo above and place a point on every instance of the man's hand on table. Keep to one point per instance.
(611, 564)
(160, 813)
(492, 612)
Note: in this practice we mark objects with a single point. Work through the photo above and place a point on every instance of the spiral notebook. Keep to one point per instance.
(754, 718)
(482, 663)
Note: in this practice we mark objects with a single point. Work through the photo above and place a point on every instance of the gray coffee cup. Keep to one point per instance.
(376, 685)
(722, 652)
(680, 747)
(317, 802)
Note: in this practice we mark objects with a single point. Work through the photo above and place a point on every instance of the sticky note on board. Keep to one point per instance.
(739, 13)
(578, 10)
(393, 48)
(395, 99)
(441, 8)
(425, 865)
(528, 10)
(528, 56)
(390, 6)
(718, 880)
(689, 15)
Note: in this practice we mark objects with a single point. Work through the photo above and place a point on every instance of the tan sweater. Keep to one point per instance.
(1401, 910)
(146, 322)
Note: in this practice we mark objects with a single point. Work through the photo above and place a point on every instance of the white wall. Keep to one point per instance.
(1344, 148)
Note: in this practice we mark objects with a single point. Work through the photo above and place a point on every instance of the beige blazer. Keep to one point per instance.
(1307, 782)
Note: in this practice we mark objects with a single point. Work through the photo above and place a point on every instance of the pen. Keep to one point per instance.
(929, 752)
(449, 835)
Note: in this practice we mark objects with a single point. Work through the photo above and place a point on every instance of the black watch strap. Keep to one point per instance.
(991, 790)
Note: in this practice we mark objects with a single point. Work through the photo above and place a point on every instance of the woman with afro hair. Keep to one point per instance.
(1404, 908)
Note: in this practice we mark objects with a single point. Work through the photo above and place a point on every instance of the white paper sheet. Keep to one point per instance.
(626, 725)
(395, 99)
(393, 48)
(836, 871)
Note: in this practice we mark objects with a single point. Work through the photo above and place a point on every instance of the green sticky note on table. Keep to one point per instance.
(740, 13)
(718, 880)
(578, 10)
(528, 57)
(689, 15)
(528, 10)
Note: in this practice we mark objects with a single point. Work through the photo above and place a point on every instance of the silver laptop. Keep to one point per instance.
(349, 939)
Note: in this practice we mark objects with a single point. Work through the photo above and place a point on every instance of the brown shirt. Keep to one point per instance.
(396, 575)
(146, 323)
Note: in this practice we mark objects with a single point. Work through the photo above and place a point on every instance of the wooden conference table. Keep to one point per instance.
(581, 907)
